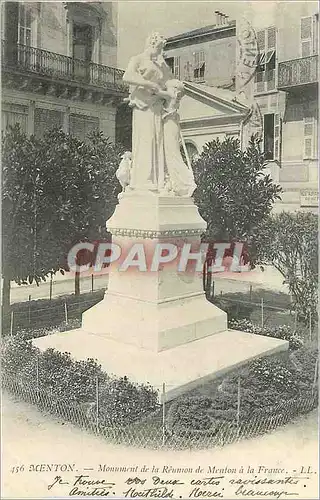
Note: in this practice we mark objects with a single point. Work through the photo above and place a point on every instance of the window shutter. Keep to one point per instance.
(306, 36)
(315, 35)
(309, 132)
(306, 28)
(46, 119)
(260, 81)
(277, 135)
(187, 71)
(270, 78)
(271, 38)
(12, 114)
(196, 60)
(261, 40)
(81, 125)
(176, 67)
(267, 42)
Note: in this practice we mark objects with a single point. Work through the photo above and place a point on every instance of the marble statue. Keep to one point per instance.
(155, 94)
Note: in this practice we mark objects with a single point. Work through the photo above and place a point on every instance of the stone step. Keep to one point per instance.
(181, 368)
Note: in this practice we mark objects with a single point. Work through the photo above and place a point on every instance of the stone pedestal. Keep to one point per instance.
(160, 309)
(157, 326)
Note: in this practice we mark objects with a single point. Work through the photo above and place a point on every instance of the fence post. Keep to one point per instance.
(238, 405)
(29, 309)
(262, 313)
(310, 326)
(11, 324)
(66, 311)
(92, 283)
(295, 320)
(97, 404)
(50, 289)
(37, 378)
(250, 291)
(315, 376)
(163, 414)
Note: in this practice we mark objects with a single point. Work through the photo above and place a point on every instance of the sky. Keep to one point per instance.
(137, 19)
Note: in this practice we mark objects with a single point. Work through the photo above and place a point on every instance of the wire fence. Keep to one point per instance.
(65, 313)
(37, 317)
(155, 431)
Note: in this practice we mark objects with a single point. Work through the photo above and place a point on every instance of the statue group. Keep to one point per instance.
(156, 164)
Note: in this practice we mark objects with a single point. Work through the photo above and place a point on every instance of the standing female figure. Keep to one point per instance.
(155, 97)
(146, 75)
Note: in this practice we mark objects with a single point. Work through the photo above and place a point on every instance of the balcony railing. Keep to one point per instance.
(298, 72)
(31, 60)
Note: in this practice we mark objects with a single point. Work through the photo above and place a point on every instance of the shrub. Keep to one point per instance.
(120, 400)
(19, 356)
(305, 361)
(283, 332)
(265, 387)
(190, 412)
(273, 373)
(33, 333)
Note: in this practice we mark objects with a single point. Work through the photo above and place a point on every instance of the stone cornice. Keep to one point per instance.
(151, 234)
(62, 90)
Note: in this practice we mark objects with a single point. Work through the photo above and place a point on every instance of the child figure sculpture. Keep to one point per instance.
(124, 170)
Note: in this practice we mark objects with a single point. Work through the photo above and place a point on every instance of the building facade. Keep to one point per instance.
(59, 67)
(284, 87)
(204, 55)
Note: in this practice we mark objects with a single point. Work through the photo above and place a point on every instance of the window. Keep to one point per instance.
(310, 138)
(199, 66)
(170, 62)
(24, 25)
(46, 119)
(82, 49)
(174, 65)
(12, 114)
(268, 136)
(24, 35)
(82, 41)
(82, 125)
(308, 36)
(271, 136)
(265, 77)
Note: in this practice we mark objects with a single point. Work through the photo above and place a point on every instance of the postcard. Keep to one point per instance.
(159, 250)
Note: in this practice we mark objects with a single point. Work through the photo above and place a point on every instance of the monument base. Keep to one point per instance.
(181, 368)
(157, 327)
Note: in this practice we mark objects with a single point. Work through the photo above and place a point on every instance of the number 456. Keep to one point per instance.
(17, 468)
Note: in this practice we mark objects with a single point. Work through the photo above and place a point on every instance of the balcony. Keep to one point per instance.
(298, 72)
(59, 70)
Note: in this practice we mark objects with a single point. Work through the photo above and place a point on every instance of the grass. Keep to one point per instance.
(45, 313)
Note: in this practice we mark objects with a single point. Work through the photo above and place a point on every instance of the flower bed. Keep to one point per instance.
(260, 388)
(284, 332)
(78, 382)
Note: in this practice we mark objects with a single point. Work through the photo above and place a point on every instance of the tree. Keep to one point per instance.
(289, 241)
(57, 191)
(21, 191)
(233, 193)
